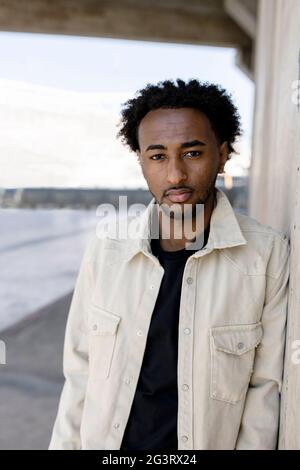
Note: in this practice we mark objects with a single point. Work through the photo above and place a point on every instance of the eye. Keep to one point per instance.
(193, 153)
(156, 157)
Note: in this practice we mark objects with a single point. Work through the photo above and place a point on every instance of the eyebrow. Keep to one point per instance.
(184, 145)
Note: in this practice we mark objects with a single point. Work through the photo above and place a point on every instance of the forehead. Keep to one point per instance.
(173, 126)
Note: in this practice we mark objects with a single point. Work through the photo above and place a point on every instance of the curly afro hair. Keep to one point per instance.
(211, 99)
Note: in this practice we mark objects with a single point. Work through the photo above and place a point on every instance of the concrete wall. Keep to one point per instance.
(274, 192)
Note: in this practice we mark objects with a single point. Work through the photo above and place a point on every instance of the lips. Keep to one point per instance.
(179, 195)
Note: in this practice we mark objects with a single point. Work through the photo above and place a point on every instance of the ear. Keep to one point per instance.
(223, 156)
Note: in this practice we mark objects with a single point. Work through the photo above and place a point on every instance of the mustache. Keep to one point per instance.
(183, 188)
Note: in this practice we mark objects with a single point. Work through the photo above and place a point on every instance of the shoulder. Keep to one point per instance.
(109, 242)
(267, 249)
(249, 224)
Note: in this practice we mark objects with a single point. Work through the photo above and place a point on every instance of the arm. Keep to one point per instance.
(260, 421)
(66, 430)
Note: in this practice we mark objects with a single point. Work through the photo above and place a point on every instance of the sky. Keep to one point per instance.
(92, 73)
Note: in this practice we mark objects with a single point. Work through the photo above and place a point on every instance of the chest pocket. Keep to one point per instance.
(102, 330)
(232, 350)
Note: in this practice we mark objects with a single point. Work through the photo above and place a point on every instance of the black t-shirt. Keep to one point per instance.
(152, 423)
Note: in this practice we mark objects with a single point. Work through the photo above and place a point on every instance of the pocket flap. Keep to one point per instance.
(237, 339)
(102, 322)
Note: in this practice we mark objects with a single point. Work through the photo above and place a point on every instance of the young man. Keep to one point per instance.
(170, 345)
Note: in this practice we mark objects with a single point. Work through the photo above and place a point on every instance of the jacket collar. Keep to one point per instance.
(224, 230)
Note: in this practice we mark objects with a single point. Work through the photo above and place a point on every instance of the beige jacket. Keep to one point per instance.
(231, 337)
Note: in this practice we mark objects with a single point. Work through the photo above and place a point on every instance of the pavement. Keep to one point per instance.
(32, 379)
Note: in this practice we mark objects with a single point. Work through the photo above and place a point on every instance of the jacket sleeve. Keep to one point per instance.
(66, 430)
(260, 420)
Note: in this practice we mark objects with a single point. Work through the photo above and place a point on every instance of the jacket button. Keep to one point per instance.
(185, 387)
(240, 345)
(127, 381)
(116, 425)
(139, 333)
(189, 280)
(187, 331)
(95, 327)
(184, 438)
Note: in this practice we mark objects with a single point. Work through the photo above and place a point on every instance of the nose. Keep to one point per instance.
(176, 171)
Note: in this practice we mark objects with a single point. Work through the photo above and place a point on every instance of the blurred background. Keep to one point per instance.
(66, 68)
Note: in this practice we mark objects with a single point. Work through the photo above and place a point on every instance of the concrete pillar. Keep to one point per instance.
(274, 190)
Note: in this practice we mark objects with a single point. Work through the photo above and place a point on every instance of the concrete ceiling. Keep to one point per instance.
(228, 23)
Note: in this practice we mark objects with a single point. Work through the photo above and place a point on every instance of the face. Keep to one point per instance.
(180, 156)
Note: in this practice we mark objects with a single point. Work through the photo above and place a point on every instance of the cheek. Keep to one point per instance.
(201, 173)
(205, 169)
(153, 173)
(154, 178)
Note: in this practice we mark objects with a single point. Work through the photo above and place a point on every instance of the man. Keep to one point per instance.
(170, 345)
